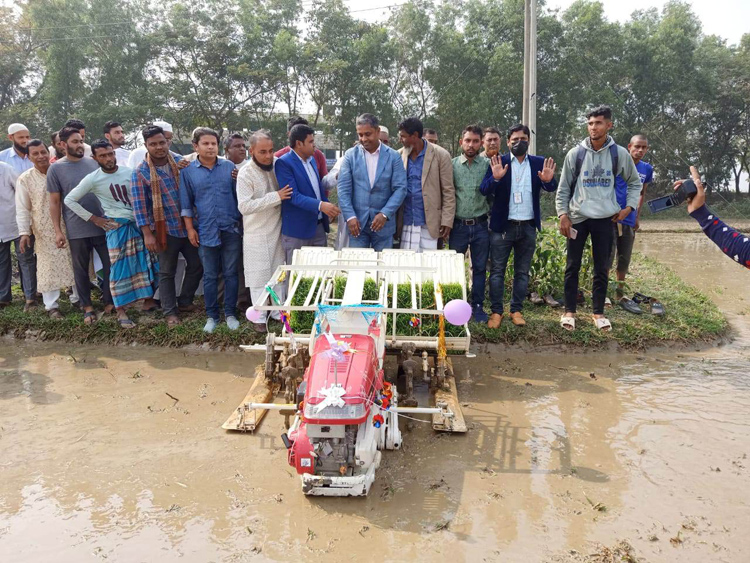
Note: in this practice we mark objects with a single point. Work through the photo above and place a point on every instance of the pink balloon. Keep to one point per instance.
(457, 312)
(253, 315)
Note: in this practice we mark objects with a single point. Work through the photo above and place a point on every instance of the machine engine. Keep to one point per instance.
(344, 419)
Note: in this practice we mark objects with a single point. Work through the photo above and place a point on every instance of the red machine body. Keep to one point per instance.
(359, 374)
(301, 455)
(325, 439)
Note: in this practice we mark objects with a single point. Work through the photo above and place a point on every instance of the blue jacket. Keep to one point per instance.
(732, 243)
(357, 199)
(500, 189)
(299, 215)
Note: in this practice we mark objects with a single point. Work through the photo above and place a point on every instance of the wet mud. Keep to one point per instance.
(117, 454)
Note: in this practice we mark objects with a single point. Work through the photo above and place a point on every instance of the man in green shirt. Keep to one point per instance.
(470, 229)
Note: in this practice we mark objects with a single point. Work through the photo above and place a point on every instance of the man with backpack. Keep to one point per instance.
(587, 205)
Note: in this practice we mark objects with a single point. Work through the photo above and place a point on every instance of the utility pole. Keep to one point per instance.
(529, 70)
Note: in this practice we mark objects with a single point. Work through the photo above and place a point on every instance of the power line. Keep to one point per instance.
(106, 24)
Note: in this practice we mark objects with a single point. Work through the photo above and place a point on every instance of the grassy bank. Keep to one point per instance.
(691, 317)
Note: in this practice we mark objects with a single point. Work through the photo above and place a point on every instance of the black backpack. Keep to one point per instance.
(581, 154)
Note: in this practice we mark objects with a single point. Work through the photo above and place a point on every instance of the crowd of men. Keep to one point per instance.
(234, 220)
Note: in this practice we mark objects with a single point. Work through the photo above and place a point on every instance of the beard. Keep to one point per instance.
(19, 148)
(265, 167)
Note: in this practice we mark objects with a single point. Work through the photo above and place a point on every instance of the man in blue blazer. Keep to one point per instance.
(304, 217)
(515, 180)
(371, 187)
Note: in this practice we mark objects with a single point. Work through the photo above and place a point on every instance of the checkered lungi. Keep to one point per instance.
(417, 237)
(134, 271)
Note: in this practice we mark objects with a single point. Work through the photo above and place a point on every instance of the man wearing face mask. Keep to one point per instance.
(516, 181)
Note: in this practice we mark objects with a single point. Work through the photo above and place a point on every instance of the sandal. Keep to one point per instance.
(55, 314)
(603, 324)
(89, 317)
(173, 321)
(126, 323)
(568, 323)
(630, 306)
(657, 308)
(535, 299)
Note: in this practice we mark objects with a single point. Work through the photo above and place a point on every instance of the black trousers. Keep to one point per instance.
(167, 268)
(80, 254)
(601, 245)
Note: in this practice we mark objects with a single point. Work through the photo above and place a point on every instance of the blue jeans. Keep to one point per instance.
(521, 239)
(27, 268)
(225, 259)
(475, 237)
(369, 239)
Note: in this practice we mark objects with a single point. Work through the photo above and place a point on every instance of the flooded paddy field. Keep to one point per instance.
(117, 454)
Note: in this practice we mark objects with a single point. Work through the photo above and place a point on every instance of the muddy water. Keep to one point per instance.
(116, 454)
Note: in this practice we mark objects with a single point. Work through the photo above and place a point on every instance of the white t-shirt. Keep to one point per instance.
(123, 156)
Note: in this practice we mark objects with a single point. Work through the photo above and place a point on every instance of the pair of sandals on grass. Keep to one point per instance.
(630, 305)
(633, 305)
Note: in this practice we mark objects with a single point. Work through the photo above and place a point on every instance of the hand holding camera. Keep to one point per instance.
(690, 190)
(697, 200)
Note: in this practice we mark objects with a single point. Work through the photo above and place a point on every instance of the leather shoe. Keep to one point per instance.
(187, 308)
(517, 319)
(495, 321)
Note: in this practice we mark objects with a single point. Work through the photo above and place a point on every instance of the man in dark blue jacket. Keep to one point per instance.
(304, 217)
(515, 180)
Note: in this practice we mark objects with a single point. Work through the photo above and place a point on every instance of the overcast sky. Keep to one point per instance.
(726, 18)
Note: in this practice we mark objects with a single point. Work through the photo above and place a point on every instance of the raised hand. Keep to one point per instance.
(498, 170)
(548, 170)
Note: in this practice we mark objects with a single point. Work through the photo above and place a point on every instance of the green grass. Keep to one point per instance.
(691, 317)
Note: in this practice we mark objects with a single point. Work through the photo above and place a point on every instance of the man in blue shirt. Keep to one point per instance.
(624, 231)
(17, 156)
(430, 205)
(208, 197)
(516, 181)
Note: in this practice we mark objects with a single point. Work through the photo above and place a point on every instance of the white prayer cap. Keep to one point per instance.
(384, 129)
(16, 128)
(164, 125)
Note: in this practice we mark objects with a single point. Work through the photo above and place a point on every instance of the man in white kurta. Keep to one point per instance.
(259, 200)
(54, 267)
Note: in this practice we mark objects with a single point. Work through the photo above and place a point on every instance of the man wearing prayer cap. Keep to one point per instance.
(17, 156)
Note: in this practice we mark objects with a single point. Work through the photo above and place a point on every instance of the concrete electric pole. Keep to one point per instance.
(529, 70)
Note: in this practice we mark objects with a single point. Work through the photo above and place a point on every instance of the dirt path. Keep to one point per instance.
(117, 454)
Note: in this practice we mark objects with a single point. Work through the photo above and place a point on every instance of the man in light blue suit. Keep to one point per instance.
(372, 187)
(304, 217)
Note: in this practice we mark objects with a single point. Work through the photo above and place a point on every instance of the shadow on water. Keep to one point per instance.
(16, 381)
